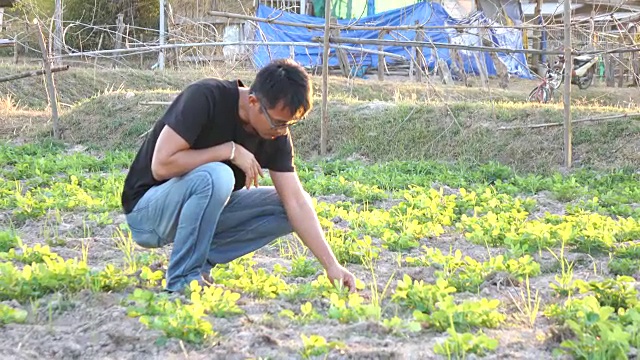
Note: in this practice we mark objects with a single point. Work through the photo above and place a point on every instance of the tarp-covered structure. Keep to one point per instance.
(426, 13)
(351, 9)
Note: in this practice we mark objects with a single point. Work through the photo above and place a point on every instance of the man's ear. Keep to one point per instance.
(253, 99)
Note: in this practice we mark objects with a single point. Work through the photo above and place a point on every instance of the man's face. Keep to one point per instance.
(269, 123)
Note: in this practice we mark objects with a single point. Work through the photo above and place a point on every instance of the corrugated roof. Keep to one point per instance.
(550, 8)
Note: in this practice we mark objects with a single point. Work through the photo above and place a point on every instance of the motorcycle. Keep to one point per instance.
(583, 70)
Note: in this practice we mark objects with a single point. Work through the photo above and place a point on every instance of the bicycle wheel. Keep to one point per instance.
(539, 94)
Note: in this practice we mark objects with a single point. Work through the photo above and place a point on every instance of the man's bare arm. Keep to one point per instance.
(172, 156)
(304, 221)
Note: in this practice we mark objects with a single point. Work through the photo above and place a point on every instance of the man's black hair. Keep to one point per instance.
(283, 80)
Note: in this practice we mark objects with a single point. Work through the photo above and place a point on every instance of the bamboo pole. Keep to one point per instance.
(568, 70)
(228, 43)
(161, 37)
(325, 80)
(589, 119)
(32, 73)
(362, 27)
(6, 43)
(435, 45)
(319, 42)
(51, 87)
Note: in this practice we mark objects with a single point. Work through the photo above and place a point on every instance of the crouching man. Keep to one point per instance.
(190, 183)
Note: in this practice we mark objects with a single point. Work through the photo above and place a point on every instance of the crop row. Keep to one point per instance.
(616, 193)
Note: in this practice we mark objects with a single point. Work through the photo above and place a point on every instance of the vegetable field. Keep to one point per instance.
(454, 262)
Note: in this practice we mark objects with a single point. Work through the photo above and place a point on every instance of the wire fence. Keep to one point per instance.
(233, 39)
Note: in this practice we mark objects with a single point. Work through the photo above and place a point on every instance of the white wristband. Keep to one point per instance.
(233, 150)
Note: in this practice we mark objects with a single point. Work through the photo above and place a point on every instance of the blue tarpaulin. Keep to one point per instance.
(426, 13)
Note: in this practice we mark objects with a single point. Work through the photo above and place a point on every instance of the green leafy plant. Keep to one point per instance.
(398, 326)
(420, 296)
(616, 293)
(8, 241)
(175, 319)
(598, 331)
(352, 309)
(458, 345)
(307, 314)
(29, 255)
(316, 345)
(463, 316)
(303, 267)
(55, 274)
(215, 300)
(10, 315)
(241, 275)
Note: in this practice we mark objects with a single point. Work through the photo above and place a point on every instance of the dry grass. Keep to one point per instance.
(78, 84)
(389, 121)
(383, 131)
(18, 120)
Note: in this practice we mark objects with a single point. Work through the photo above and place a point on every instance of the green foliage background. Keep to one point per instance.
(138, 14)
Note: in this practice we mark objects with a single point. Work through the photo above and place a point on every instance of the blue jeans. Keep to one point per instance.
(207, 222)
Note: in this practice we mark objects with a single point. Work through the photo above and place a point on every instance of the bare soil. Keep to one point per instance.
(95, 325)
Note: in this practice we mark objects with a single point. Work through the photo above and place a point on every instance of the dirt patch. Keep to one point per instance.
(90, 326)
(95, 325)
(545, 203)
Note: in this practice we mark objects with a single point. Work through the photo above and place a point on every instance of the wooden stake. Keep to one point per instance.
(95, 61)
(482, 68)
(381, 65)
(418, 55)
(325, 80)
(610, 70)
(537, 42)
(621, 66)
(343, 60)
(119, 33)
(16, 51)
(445, 73)
(51, 87)
(58, 34)
(568, 66)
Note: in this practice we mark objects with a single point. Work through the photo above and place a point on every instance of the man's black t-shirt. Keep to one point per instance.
(205, 114)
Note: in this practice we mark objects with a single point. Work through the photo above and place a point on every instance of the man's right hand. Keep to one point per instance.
(245, 160)
(339, 275)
